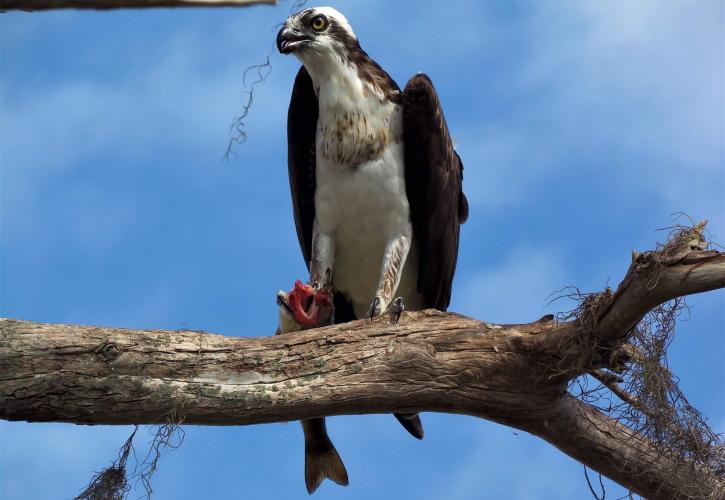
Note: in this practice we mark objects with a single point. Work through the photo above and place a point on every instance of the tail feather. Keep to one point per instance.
(321, 458)
(412, 423)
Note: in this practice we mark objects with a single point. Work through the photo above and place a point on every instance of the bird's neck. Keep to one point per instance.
(323, 67)
(338, 81)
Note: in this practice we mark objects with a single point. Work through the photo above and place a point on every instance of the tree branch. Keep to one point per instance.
(681, 267)
(516, 375)
(611, 382)
(616, 451)
(429, 361)
(33, 5)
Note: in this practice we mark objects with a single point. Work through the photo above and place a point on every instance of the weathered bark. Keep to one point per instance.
(652, 280)
(33, 5)
(431, 361)
(616, 451)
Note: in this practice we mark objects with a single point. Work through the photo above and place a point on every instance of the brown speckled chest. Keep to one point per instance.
(350, 138)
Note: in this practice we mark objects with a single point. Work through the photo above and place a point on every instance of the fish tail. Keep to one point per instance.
(321, 458)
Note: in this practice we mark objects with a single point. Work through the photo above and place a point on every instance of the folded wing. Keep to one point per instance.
(433, 176)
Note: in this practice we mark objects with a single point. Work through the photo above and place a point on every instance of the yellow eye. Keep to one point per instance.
(319, 23)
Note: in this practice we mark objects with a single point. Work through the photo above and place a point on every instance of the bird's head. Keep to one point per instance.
(316, 33)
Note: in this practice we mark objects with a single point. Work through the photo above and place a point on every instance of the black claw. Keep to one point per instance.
(375, 304)
(399, 307)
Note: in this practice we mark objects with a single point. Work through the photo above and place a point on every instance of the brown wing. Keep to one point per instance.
(301, 130)
(433, 180)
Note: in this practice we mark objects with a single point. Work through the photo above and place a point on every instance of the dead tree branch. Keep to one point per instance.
(516, 375)
(33, 5)
(682, 266)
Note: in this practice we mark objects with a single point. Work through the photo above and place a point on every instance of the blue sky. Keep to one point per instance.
(582, 126)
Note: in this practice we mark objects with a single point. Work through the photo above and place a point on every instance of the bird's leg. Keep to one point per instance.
(309, 306)
(396, 252)
(323, 258)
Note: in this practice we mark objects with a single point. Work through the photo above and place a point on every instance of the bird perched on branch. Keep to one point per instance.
(376, 190)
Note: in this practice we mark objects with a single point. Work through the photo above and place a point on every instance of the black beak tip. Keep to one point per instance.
(289, 39)
(281, 41)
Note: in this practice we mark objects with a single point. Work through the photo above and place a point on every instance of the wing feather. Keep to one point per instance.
(301, 158)
(433, 177)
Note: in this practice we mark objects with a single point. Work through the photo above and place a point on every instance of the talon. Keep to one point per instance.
(373, 308)
(396, 308)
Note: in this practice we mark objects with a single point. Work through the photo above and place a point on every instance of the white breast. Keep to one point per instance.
(361, 200)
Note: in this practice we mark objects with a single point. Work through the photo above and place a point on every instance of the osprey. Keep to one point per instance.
(376, 190)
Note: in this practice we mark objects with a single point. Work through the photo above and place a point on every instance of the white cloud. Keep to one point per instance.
(641, 81)
(177, 104)
(639, 84)
(182, 105)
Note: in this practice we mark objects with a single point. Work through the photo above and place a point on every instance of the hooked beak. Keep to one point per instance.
(289, 39)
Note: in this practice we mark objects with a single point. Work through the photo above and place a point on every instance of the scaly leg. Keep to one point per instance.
(396, 252)
(323, 258)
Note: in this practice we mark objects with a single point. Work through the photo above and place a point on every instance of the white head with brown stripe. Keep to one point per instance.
(323, 40)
